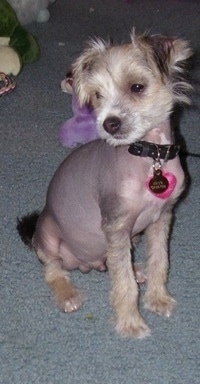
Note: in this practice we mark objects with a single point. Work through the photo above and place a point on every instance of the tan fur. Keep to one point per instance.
(142, 48)
(67, 297)
(124, 294)
(157, 299)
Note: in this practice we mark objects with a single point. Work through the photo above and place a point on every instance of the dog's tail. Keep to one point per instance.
(26, 227)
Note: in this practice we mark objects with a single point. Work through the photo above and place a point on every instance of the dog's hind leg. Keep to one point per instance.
(67, 297)
(157, 298)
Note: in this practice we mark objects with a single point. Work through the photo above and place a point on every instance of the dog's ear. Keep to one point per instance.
(168, 56)
(82, 68)
(171, 55)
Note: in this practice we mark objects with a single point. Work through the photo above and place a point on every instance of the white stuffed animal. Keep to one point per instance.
(28, 11)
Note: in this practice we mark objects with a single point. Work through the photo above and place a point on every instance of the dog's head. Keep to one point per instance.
(132, 87)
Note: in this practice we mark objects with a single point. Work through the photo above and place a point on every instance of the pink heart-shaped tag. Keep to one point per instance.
(171, 185)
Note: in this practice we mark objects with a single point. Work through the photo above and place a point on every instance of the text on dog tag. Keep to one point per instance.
(158, 183)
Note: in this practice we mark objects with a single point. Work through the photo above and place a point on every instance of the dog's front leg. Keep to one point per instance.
(124, 293)
(157, 298)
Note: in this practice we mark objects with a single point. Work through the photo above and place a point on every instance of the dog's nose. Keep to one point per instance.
(112, 124)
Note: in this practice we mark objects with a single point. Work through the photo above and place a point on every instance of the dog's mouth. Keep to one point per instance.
(118, 139)
(119, 136)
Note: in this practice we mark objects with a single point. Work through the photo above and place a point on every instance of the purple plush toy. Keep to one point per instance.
(81, 128)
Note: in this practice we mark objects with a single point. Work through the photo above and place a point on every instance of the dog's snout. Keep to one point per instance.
(112, 124)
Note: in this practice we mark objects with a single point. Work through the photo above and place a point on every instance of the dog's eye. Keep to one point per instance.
(137, 88)
(98, 95)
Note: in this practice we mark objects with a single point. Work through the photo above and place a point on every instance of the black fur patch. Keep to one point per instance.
(26, 227)
(162, 47)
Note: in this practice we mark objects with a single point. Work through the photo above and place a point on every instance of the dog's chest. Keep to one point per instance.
(144, 205)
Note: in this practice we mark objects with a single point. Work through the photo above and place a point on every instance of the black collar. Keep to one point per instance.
(147, 149)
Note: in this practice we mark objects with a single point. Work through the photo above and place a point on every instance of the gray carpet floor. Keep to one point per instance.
(38, 343)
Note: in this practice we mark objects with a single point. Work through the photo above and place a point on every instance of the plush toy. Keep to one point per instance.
(81, 128)
(28, 11)
(7, 84)
(17, 46)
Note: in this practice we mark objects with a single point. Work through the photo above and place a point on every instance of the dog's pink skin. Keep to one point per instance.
(90, 187)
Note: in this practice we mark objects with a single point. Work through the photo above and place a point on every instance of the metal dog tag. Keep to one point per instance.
(158, 183)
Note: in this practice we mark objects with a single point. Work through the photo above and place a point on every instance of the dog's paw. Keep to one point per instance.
(140, 275)
(132, 327)
(160, 304)
(73, 304)
(69, 302)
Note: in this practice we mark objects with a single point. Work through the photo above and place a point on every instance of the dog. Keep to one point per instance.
(109, 191)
